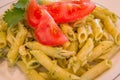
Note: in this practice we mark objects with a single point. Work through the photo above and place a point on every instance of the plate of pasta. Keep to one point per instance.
(37, 45)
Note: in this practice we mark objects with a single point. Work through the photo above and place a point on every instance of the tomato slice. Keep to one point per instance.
(33, 13)
(70, 11)
(47, 32)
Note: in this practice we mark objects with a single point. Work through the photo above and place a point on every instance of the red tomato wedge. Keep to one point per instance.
(63, 12)
(33, 13)
(47, 32)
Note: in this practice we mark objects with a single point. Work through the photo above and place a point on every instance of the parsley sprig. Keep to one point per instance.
(12, 17)
(17, 13)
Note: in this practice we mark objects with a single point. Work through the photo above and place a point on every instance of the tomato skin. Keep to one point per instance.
(33, 13)
(47, 32)
(70, 11)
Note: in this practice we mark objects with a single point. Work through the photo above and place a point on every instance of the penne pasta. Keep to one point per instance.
(97, 29)
(99, 49)
(82, 34)
(10, 37)
(3, 39)
(31, 73)
(96, 70)
(89, 31)
(66, 45)
(54, 69)
(20, 37)
(73, 46)
(68, 31)
(114, 49)
(114, 31)
(80, 59)
(53, 52)
(107, 13)
(85, 50)
(33, 63)
(45, 75)
(3, 25)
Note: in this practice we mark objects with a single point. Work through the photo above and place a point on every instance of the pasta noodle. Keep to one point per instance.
(50, 51)
(73, 46)
(58, 72)
(31, 73)
(110, 27)
(3, 40)
(81, 57)
(90, 31)
(107, 13)
(68, 31)
(87, 48)
(96, 70)
(97, 29)
(20, 37)
(82, 34)
(99, 49)
(110, 53)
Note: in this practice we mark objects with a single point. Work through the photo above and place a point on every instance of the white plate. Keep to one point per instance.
(112, 74)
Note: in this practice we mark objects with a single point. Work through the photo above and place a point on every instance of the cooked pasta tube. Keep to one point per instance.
(45, 75)
(87, 48)
(66, 45)
(34, 75)
(112, 29)
(109, 26)
(98, 15)
(82, 34)
(25, 55)
(81, 45)
(89, 18)
(50, 51)
(3, 39)
(31, 73)
(81, 58)
(54, 69)
(98, 69)
(80, 71)
(107, 13)
(73, 64)
(3, 25)
(105, 36)
(111, 53)
(99, 49)
(10, 37)
(33, 63)
(68, 31)
(97, 29)
(20, 37)
(27, 58)
(89, 31)
(73, 46)
(62, 63)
